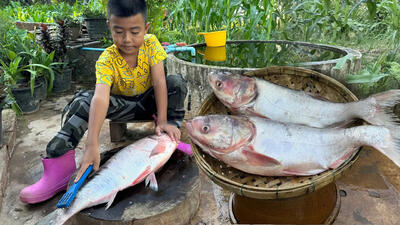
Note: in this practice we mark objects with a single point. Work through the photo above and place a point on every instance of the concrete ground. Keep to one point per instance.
(369, 189)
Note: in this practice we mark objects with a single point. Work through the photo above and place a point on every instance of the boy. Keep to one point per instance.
(130, 85)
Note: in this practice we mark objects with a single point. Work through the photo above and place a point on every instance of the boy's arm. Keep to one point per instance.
(97, 115)
(160, 92)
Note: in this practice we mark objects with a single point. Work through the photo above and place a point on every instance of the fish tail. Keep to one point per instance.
(394, 149)
(378, 108)
(384, 139)
(54, 218)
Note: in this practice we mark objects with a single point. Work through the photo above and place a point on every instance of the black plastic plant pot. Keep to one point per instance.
(62, 82)
(26, 101)
(96, 27)
(42, 90)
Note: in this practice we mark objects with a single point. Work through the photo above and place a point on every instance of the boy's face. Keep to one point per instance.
(128, 33)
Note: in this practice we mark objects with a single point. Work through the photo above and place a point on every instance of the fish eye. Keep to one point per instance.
(218, 83)
(205, 129)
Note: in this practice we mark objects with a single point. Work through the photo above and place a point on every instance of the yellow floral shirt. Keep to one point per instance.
(113, 70)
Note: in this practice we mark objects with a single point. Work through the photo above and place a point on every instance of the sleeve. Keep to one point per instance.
(156, 51)
(104, 70)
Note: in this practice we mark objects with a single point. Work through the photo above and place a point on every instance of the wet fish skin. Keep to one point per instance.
(261, 146)
(258, 97)
(126, 168)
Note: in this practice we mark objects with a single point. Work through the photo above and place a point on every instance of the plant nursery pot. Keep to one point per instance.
(26, 101)
(96, 27)
(42, 90)
(74, 32)
(62, 82)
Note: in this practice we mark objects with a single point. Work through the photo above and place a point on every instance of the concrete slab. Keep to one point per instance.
(8, 143)
(369, 189)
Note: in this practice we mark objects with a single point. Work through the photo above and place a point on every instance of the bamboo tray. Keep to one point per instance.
(263, 187)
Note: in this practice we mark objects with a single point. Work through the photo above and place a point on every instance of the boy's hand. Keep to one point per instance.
(91, 156)
(173, 132)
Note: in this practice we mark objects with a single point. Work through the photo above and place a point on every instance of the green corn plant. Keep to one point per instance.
(42, 65)
(156, 10)
(12, 71)
(242, 19)
(392, 18)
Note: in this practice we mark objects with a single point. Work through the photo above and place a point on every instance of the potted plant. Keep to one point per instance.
(72, 18)
(23, 63)
(56, 42)
(73, 27)
(95, 17)
(23, 90)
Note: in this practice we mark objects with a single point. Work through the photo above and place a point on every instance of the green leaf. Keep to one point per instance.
(371, 5)
(342, 61)
(10, 54)
(366, 77)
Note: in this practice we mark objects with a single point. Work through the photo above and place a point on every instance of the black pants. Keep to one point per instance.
(140, 107)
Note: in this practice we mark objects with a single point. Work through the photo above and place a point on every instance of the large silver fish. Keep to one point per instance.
(128, 167)
(265, 147)
(258, 97)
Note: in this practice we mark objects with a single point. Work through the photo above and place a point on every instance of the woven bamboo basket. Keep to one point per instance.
(263, 187)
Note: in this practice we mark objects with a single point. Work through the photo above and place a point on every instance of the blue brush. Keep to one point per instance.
(67, 198)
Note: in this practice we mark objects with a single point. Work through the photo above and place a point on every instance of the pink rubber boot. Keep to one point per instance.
(186, 148)
(56, 174)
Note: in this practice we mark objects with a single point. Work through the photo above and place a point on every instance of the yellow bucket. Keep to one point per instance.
(214, 39)
(217, 54)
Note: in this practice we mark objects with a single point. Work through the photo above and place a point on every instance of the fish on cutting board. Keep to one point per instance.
(128, 167)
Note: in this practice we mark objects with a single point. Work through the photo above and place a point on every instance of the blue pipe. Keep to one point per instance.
(181, 49)
(93, 49)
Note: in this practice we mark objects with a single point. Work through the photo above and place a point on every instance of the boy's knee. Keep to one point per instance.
(81, 100)
(176, 82)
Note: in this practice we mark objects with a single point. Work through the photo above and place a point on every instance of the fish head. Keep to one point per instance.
(233, 90)
(220, 134)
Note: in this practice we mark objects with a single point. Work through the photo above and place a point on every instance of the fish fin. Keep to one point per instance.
(388, 143)
(153, 182)
(142, 175)
(342, 124)
(112, 197)
(341, 160)
(258, 159)
(382, 103)
(315, 96)
(253, 112)
(157, 150)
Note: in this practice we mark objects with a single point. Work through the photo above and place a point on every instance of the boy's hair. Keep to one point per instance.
(126, 8)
